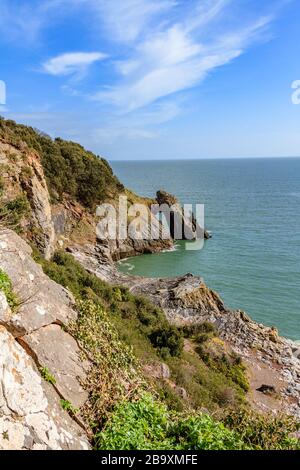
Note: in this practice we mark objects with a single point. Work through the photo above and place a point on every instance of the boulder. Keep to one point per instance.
(267, 389)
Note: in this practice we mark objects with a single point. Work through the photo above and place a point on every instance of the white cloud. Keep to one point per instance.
(126, 20)
(23, 21)
(174, 59)
(72, 63)
(163, 47)
(113, 133)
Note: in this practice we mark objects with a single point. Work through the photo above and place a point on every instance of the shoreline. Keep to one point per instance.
(128, 273)
(186, 299)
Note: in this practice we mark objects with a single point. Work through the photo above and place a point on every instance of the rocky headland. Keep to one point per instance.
(34, 334)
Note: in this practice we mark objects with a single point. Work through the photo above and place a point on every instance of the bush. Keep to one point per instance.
(147, 425)
(140, 425)
(12, 212)
(195, 329)
(118, 300)
(264, 432)
(167, 339)
(114, 373)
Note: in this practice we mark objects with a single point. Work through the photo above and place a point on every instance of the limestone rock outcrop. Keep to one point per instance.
(31, 417)
(22, 172)
(182, 226)
(32, 338)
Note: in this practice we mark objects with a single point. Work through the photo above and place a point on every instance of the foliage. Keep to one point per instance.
(264, 432)
(114, 373)
(47, 376)
(144, 328)
(168, 340)
(70, 169)
(67, 406)
(202, 432)
(149, 319)
(216, 358)
(146, 424)
(12, 212)
(6, 288)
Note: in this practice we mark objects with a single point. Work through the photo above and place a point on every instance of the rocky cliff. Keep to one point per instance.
(45, 373)
(32, 339)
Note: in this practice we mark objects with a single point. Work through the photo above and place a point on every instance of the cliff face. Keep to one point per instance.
(42, 365)
(53, 217)
(31, 415)
(22, 178)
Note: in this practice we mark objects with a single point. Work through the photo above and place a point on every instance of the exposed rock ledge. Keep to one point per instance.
(272, 360)
(31, 415)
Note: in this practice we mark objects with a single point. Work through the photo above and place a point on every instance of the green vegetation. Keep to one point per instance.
(70, 170)
(114, 373)
(147, 424)
(124, 307)
(264, 432)
(6, 288)
(118, 333)
(67, 406)
(126, 338)
(47, 376)
(12, 212)
(144, 328)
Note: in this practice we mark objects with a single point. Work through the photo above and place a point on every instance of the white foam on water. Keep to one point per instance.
(129, 266)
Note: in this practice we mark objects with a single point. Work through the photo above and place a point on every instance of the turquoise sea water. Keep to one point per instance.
(252, 208)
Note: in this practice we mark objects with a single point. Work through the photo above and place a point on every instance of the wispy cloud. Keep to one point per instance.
(156, 50)
(72, 63)
(126, 20)
(174, 57)
(23, 21)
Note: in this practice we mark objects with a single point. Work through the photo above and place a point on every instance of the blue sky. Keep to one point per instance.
(143, 79)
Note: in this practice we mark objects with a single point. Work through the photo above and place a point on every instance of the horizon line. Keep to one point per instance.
(201, 159)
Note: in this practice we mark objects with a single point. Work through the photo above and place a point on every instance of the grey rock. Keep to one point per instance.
(30, 416)
(59, 352)
(42, 301)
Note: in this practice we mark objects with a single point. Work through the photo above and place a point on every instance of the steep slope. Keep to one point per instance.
(92, 337)
(49, 191)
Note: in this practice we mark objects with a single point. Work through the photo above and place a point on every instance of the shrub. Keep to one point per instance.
(146, 424)
(6, 288)
(12, 212)
(114, 373)
(195, 329)
(167, 339)
(140, 425)
(264, 432)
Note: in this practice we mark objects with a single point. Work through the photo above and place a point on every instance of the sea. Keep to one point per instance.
(252, 209)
